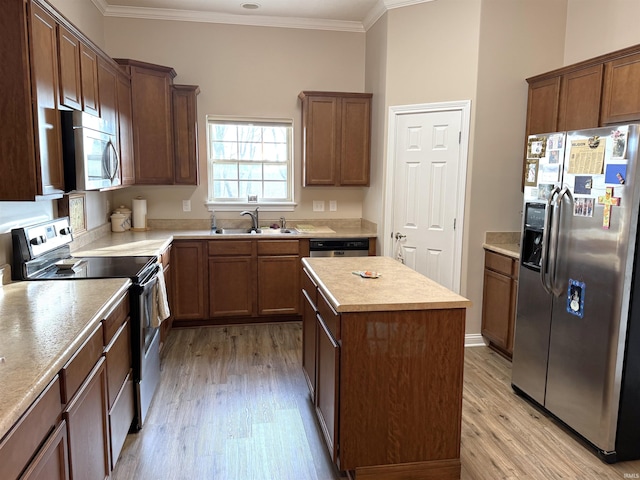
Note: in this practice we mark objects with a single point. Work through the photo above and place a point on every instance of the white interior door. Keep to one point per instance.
(426, 196)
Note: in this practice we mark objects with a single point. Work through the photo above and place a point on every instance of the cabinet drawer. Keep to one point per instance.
(118, 355)
(77, 369)
(120, 418)
(499, 263)
(310, 287)
(278, 247)
(328, 315)
(232, 247)
(115, 319)
(165, 257)
(30, 431)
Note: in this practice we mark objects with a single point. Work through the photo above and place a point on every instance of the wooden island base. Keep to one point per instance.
(385, 375)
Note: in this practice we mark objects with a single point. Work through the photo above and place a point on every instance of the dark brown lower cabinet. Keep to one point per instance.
(309, 347)
(52, 463)
(86, 416)
(499, 301)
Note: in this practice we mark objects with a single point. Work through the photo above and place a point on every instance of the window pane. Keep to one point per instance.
(250, 151)
(275, 172)
(249, 133)
(224, 151)
(250, 188)
(251, 172)
(227, 133)
(275, 190)
(225, 189)
(225, 171)
(275, 152)
(274, 134)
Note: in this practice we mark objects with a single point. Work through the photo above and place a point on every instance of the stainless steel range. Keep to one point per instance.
(42, 252)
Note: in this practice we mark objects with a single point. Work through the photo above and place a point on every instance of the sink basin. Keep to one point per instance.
(279, 231)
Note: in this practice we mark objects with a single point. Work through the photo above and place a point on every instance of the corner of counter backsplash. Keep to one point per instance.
(497, 238)
(86, 238)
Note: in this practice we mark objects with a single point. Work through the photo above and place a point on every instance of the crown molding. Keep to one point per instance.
(371, 18)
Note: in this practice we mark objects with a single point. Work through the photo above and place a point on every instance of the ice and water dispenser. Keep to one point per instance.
(532, 233)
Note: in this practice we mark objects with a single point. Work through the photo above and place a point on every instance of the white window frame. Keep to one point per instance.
(235, 204)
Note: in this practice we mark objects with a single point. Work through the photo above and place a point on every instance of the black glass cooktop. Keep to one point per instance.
(134, 268)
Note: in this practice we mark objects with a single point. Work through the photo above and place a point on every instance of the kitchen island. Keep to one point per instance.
(384, 360)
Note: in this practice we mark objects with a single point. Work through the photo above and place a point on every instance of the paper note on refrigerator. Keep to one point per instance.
(586, 156)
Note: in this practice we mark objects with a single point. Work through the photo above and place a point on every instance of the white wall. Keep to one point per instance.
(376, 83)
(596, 27)
(250, 71)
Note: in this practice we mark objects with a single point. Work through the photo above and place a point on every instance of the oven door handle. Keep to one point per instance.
(152, 278)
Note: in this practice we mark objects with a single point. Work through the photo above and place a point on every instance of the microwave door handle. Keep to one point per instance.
(546, 239)
(112, 170)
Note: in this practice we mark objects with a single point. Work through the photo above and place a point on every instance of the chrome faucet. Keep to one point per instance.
(254, 218)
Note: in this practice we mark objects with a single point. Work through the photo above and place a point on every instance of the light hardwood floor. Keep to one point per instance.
(233, 405)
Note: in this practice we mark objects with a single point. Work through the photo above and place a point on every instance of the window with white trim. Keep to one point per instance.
(250, 160)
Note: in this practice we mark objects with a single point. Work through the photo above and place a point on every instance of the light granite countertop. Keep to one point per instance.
(42, 324)
(153, 242)
(398, 287)
(504, 243)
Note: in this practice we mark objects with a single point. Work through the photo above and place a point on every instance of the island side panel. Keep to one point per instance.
(401, 389)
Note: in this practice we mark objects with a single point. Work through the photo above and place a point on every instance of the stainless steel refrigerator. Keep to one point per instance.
(577, 336)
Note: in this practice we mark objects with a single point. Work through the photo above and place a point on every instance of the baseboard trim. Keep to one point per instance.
(474, 340)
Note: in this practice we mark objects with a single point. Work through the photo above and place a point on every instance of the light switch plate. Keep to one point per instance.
(333, 205)
(318, 205)
(186, 205)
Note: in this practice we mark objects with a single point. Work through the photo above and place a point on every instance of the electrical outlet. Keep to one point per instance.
(186, 205)
(318, 205)
(333, 205)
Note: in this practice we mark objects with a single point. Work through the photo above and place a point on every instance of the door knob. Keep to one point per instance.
(400, 236)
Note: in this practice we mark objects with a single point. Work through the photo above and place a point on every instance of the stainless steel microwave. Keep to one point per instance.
(91, 159)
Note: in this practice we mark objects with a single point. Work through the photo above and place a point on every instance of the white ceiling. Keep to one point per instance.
(345, 15)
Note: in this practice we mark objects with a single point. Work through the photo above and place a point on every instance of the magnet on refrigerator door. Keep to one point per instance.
(575, 298)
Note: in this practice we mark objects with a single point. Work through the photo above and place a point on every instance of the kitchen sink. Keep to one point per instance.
(248, 231)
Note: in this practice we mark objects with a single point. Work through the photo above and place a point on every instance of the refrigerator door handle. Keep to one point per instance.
(546, 234)
(556, 234)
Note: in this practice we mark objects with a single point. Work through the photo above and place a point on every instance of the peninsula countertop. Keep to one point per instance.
(397, 288)
(42, 324)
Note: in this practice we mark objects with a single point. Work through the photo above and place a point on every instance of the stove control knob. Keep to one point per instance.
(65, 231)
(39, 240)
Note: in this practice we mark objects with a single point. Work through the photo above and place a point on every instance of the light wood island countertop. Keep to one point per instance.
(42, 324)
(397, 288)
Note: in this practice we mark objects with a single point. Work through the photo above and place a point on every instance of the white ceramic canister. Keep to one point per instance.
(118, 222)
(127, 213)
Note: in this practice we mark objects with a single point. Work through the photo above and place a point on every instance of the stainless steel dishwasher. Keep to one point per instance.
(339, 247)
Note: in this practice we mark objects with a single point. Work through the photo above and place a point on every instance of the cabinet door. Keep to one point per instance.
(327, 386)
(542, 108)
(185, 132)
(70, 80)
(107, 83)
(89, 77)
(496, 308)
(355, 141)
(44, 69)
(189, 280)
(153, 126)
(278, 285)
(231, 286)
(125, 129)
(309, 345)
(621, 91)
(86, 417)
(52, 463)
(321, 142)
(580, 99)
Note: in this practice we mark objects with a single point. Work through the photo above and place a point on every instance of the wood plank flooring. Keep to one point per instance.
(233, 405)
